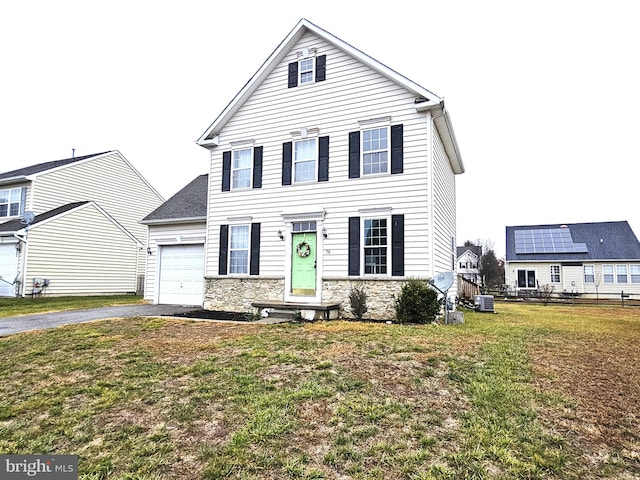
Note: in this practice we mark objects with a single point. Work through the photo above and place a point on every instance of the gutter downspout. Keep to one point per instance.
(22, 255)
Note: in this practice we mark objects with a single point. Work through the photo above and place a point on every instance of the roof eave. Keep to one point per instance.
(16, 179)
(164, 221)
(442, 121)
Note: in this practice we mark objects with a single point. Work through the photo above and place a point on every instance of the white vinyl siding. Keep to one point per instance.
(77, 252)
(163, 235)
(351, 93)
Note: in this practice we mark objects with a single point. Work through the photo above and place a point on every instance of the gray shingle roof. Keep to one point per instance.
(15, 224)
(604, 241)
(41, 167)
(190, 203)
(474, 248)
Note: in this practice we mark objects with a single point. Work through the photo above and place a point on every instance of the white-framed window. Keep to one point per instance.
(239, 249)
(241, 161)
(607, 273)
(634, 270)
(375, 151)
(589, 274)
(526, 278)
(621, 274)
(306, 70)
(555, 273)
(375, 246)
(305, 155)
(10, 199)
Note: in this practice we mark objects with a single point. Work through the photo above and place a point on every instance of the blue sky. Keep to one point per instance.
(543, 95)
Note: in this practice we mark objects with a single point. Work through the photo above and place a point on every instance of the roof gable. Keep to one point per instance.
(17, 224)
(602, 241)
(425, 99)
(188, 204)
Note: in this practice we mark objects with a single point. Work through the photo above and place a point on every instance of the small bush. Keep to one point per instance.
(358, 302)
(417, 303)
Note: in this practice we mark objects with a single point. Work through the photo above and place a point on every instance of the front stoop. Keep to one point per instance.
(295, 311)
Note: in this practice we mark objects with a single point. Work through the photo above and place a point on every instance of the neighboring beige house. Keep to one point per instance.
(585, 259)
(76, 223)
(328, 170)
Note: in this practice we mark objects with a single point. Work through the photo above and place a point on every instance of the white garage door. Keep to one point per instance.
(181, 274)
(8, 269)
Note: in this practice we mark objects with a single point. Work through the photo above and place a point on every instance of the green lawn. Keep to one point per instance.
(531, 392)
(10, 307)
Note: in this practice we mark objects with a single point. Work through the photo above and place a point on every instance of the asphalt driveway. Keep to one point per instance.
(41, 321)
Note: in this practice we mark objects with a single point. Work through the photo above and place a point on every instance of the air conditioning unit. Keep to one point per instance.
(483, 303)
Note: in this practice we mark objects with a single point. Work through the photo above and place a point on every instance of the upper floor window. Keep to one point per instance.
(309, 69)
(555, 273)
(241, 168)
(305, 153)
(306, 69)
(12, 202)
(375, 151)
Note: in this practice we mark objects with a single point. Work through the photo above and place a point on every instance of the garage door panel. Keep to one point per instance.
(181, 274)
(8, 269)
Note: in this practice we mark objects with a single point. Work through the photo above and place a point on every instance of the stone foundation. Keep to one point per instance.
(237, 294)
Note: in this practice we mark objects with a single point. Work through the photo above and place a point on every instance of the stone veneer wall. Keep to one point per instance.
(237, 294)
(381, 295)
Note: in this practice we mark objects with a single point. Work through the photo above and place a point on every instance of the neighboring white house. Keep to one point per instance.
(175, 268)
(85, 237)
(468, 263)
(328, 170)
(578, 258)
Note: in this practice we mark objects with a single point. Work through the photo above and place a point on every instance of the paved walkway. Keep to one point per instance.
(41, 321)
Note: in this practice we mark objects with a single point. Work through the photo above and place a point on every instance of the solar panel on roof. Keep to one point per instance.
(547, 240)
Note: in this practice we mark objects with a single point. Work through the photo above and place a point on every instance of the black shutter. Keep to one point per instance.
(321, 68)
(397, 143)
(254, 268)
(397, 245)
(323, 160)
(257, 167)
(354, 154)
(287, 158)
(224, 249)
(293, 74)
(23, 199)
(354, 245)
(226, 171)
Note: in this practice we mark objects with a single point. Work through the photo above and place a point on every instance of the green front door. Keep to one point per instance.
(303, 264)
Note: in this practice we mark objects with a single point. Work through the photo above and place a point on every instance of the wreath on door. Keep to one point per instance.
(303, 249)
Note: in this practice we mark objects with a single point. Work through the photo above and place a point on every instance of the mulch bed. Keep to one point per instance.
(214, 315)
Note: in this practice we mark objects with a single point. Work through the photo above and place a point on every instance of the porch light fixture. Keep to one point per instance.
(148, 250)
(18, 247)
(280, 235)
(324, 231)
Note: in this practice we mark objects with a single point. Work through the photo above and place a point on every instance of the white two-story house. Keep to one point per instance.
(328, 170)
